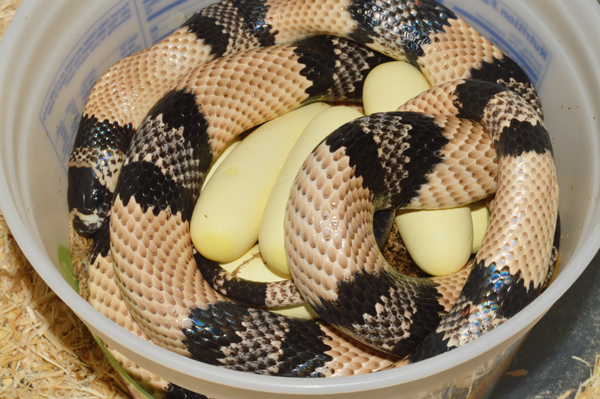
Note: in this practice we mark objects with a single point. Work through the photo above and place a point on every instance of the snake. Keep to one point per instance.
(157, 120)
(282, 294)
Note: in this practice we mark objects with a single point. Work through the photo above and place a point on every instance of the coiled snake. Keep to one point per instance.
(158, 119)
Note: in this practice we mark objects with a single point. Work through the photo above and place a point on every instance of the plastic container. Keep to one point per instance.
(54, 51)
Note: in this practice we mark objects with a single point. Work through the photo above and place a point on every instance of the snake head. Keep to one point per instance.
(98, 152)
(89, 200)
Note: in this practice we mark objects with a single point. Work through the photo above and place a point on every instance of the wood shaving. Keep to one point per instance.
(7, 10)
(46, 350)
(590, 389)
(517, 373)
(396, 254)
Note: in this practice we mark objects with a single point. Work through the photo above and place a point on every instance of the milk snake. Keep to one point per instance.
(166, 113)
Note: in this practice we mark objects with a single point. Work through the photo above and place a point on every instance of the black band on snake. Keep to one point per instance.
(278, 294)
(436, 151)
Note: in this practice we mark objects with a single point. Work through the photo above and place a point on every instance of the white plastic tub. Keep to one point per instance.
(54, 51)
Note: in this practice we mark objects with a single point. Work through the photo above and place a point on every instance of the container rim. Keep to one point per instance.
(588, 18)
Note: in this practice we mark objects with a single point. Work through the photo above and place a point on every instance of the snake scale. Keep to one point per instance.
(155, 122)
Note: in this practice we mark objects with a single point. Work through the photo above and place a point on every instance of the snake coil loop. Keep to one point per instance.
(237, 64)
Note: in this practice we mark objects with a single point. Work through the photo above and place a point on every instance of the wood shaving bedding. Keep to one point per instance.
(7, 10)
(589, 389)
(46, 350)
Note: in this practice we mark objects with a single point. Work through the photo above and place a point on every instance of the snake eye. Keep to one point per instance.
(97, 198)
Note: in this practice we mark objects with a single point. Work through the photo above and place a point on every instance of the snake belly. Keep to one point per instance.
(155, 269)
